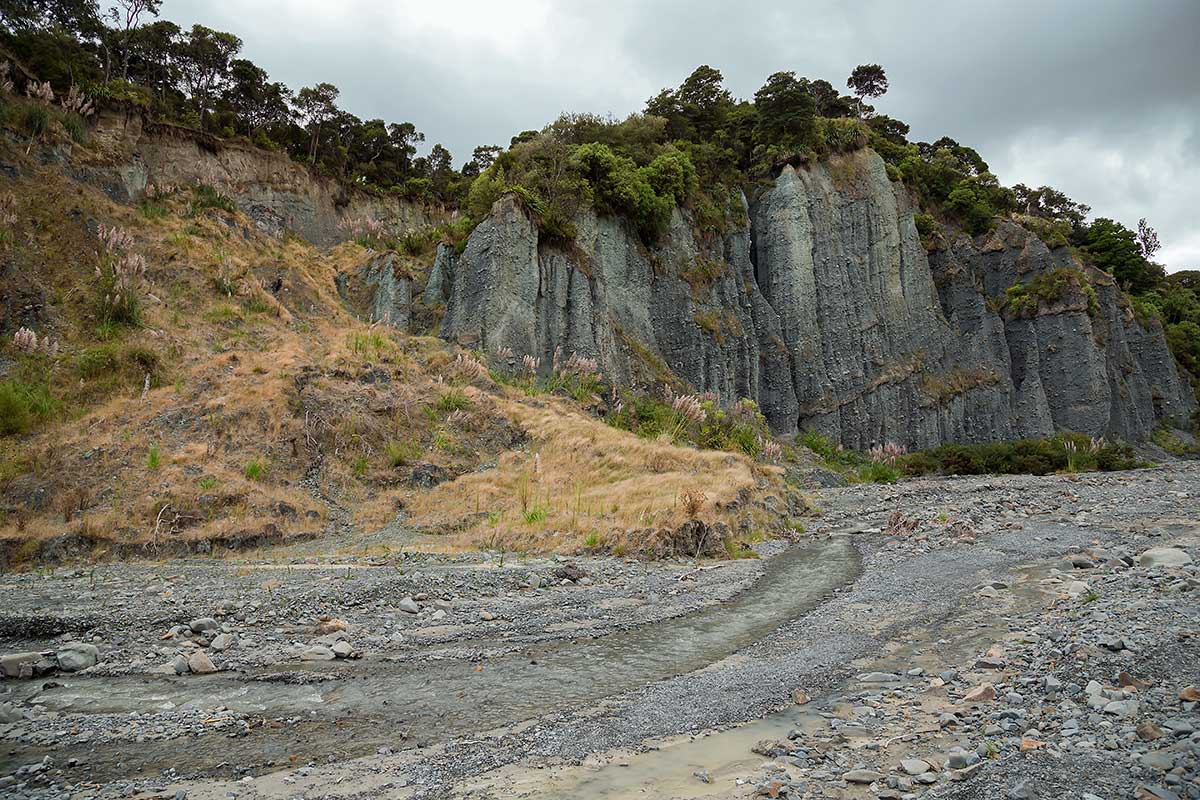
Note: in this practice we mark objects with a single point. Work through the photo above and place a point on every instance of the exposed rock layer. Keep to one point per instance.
(272, 188)
(822, 305)
(825, 308)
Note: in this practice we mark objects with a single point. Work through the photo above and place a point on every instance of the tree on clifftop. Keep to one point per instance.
(867, 80)
(317, 105)
(204, 64)
(785, 110)
(1147, 239)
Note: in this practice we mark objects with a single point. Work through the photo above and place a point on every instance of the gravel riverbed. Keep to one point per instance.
(965, 638)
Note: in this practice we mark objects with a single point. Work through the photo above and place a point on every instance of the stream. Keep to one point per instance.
(376, 703)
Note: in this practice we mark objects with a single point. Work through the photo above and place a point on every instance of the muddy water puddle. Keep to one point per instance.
(371, 704)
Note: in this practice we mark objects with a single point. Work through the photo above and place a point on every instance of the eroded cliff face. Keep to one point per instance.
(278, 193)
(825, 308)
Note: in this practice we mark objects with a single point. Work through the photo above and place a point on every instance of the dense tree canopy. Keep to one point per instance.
(119, 51)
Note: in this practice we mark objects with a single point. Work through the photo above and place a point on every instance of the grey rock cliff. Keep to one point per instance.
(277, 192)
(825, 308)
(380, 290)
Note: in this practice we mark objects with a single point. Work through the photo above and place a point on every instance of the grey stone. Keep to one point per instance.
(204, 625)
(862, 776)
(1157, 759)
(408, 605)
(1122, 708)
(76, 656)
(879, 677)
(1179, 727)
(11, 664)
(1164, 557)
(380, 290)
(914, 766)
(318, 652)
(223, 641)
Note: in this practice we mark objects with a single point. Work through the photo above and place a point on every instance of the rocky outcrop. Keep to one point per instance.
(277, 192)
(824, 307)
(380, 290)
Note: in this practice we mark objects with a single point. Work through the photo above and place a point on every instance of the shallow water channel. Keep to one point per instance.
(369, 703)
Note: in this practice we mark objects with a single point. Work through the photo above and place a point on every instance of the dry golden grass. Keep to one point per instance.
(582, 484)
(258, 361)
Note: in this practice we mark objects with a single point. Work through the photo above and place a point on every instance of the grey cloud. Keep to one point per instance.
(1114, 77)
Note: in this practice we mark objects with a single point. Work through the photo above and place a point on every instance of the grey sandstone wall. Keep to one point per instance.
(825, 308)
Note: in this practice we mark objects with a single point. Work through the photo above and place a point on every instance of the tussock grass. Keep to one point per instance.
(582, 482)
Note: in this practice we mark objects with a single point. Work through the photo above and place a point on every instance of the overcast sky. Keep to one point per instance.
(1098, 98)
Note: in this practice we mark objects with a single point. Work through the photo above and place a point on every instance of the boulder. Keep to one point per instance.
(77, 656)
(199, 663)
(1164, 557)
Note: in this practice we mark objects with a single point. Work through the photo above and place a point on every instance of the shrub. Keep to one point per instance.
(255, 469)
(878, 472)
(452, 400)
(120, 272)
(37, 121)
(1047, 288)
(153, 458)
(619, 187)
(22, 404)
(153, 209)
(976, 200)
(74, 125)
(205, 196)
(692, 502)
(399, 454)
(1064, 451)
(844, 134)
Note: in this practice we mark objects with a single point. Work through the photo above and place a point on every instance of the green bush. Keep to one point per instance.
(37, 121)
(1047, 288)
(205, 196)
(23, 404)
(875, 472)
(400, 453)
(619, 187)
(452, 400)
(844, 134)
(1062, 452)
(117, 90)
(75, 127)
(977, 200)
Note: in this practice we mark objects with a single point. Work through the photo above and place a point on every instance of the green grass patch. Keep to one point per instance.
(452, 400)
(534, 515)
(205, 197)
(398, 454)
(255, 469)
(23, 405)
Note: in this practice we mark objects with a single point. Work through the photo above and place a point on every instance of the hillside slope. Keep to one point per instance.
(242, 396)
